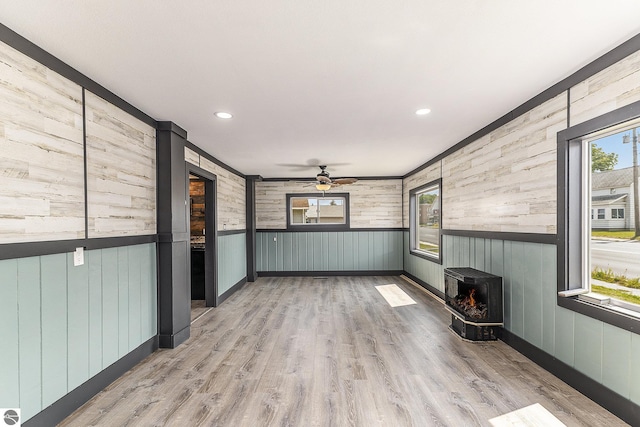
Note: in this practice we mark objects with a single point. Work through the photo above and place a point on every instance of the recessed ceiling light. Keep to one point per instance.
(223, 115)
(423, 111)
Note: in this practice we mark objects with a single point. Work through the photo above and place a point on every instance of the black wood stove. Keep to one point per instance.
(474, 299)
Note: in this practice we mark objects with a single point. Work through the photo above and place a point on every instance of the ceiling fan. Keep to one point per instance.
(309, 164)
(324, 181)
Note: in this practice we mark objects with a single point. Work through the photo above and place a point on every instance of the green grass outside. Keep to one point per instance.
(614, 234)
(616, 293)
(610, 277)
(429, 247)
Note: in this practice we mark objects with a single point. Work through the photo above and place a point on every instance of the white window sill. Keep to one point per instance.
(612, 304)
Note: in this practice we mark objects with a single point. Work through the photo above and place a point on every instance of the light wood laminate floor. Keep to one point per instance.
(331, 352)
(198, 309)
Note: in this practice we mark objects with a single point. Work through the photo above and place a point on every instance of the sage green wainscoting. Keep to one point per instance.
(429, 272)
(61, 325)
(232, 260)
(329, 251)
(603, 352)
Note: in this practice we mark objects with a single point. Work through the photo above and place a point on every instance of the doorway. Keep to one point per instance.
(202, 232)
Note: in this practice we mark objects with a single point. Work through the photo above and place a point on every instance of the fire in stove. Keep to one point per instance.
(474, 299)
(468, 305)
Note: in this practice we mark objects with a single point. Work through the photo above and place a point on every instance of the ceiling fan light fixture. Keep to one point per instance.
(323, 187)
(223, 115)
(423, 111)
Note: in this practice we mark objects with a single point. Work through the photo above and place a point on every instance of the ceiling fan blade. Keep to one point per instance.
(310, 164)
(296, 166)
(342, 181)
(323, 179)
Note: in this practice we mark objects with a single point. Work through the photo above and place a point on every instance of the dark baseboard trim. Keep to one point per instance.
(230, 232)
(329, 273)
(64, 406)
(172, 341)
(425, 285)
(231, 290)
(550, 239)
(608, 399)
(29, 249)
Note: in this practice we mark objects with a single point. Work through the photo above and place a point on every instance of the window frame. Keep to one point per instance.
(571, 217)
(319, 227)
(617, 214)
(413, 221)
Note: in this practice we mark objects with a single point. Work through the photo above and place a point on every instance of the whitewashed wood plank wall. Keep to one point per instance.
(506, 180)
(42, 164)
(231, 190)
(611, 88)
(41, 161)
(121, 171)
(373, 203)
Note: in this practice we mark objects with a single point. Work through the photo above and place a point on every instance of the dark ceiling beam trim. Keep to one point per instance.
(617, 54)
(172, 127)
(209, 157)
(36, 53)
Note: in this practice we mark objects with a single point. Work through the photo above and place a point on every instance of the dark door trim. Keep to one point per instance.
(211, 234)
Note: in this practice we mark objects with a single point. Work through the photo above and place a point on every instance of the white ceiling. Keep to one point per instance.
(329, 81)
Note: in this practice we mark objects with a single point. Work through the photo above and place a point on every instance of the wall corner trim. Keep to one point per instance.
(172, 127)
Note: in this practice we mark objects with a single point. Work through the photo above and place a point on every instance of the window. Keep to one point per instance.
(307, 211)
(617, 213)
(425, 213)
(598, 263)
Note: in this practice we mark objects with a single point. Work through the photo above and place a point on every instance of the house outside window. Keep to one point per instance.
(311, 211)
(598, 262)
(425, 213)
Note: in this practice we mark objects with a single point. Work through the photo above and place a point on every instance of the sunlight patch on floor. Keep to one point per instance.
(534, 415)
(395, 296)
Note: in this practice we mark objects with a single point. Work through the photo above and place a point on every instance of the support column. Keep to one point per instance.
(174, 275)
(252, 275)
